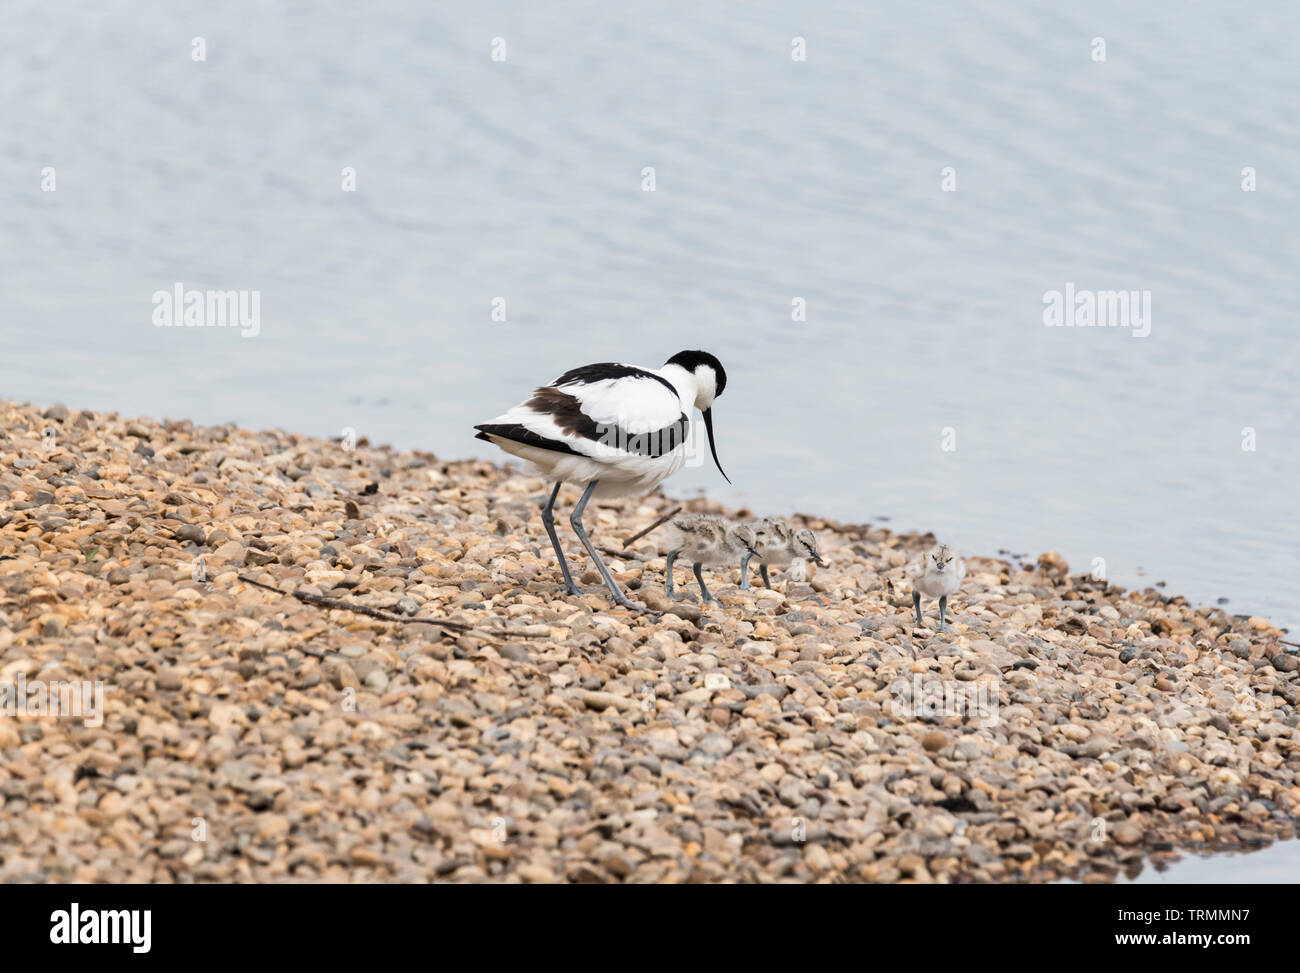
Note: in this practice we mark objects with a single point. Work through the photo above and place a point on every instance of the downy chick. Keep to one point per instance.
(706, 540)
(938, 574)
(777, 545)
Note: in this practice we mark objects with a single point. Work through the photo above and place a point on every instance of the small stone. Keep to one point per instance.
(173, 849)
(515, 652)
(230, 551)
(423, 825)
(343, 676)
(716, 744)
(934, 741)
(365, 857)
(818, 859)
(597, 700)
(1126, 834)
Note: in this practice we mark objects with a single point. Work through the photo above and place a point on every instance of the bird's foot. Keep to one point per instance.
(623, 601)
(632, 606)
(573, 589)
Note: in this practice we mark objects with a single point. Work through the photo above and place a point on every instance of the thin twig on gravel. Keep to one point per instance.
(320, 601)
(658, 523)
(622, 554)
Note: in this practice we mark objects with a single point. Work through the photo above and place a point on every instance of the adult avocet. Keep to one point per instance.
(618, 429)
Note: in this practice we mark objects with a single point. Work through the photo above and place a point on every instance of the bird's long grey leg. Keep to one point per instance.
(705, 596)
(943, 607)
(916, 604)
(762, 569)
(548, 521)
(744, 571)
(668, 575)
(575, 519)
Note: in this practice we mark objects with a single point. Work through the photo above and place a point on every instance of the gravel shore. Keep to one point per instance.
(1063, 727)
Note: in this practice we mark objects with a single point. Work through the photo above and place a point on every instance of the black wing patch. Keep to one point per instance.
(589, 374)
(522, 434)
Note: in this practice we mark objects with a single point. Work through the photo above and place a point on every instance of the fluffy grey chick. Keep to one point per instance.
(706, 541)
(777, 544)
(938, 574)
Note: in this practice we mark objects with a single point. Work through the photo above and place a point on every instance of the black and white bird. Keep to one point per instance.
(619, 430)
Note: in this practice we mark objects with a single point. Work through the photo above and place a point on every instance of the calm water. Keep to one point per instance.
(1279, 864)
(522, 180)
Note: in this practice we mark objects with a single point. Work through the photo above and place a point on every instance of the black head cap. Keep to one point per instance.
(690, 360)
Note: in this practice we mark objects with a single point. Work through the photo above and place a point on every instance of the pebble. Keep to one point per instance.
(190, 533)
(515, 653)
(934, 741)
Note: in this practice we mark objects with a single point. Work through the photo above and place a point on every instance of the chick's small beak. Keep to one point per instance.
(817, 560)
